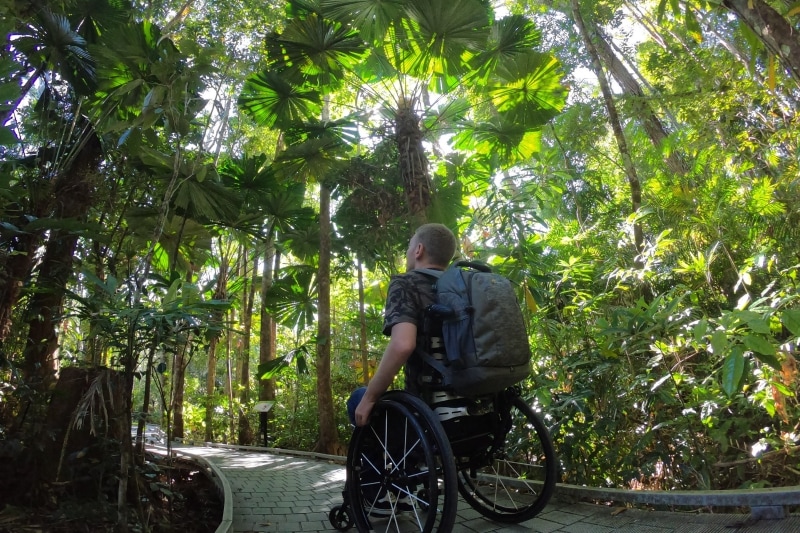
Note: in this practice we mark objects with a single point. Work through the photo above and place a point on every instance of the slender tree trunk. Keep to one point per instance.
(129, 361)
(619, 134)
(148, 378)
(646, 23)
(777, 34)
(640, 106)
(6, 114)
(220, 293)
(266, 390)
(179, 364)
(230, 380)
(362, 318)
(211, 379)
(245, 431)
(328, 439)
(732, 48)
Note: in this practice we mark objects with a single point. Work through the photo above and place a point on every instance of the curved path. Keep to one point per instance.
(293, 492)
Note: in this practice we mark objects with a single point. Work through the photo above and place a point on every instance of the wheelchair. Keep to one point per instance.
(417, 454)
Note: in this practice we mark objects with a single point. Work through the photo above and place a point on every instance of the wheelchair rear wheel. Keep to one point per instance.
(518, 476)
(401, 475)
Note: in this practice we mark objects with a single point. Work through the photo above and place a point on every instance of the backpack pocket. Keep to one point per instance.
(458, 341)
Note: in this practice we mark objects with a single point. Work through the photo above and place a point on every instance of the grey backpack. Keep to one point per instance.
(483, 330)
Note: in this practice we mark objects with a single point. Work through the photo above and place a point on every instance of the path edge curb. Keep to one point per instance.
(222, 484)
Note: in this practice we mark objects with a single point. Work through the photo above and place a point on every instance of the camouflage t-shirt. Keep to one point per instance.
(409, 295)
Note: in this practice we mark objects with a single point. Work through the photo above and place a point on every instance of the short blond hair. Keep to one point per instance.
(439, 243)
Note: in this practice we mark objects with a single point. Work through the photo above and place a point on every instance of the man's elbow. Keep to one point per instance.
(403, 347)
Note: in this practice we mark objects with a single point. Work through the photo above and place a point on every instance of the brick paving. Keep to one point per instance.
(273, 492)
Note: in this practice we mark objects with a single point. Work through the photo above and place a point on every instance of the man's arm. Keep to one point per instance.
(401, 346)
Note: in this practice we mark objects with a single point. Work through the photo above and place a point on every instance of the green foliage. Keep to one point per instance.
(656, 368)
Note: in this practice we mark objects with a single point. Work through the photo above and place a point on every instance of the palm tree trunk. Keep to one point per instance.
(413, 161)
(74, 193)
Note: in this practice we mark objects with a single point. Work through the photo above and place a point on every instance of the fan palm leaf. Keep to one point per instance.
(372, 17)
(443, 33)
(50, 43)
(273, 102)
(528, 88)
(508, 38)
(315, 51)
(292, 298)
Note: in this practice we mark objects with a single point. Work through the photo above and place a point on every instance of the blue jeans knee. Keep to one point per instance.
(352, 403)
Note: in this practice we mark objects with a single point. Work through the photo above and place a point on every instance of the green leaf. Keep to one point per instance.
(8, 92)
(790, 318)
(659, 382)
(719, 342)
(759, 325)
(272, 368)
(443, 33)
(759, 344)
(371, 17)
(271, 101)
(528, 89)
(7, 137)
(732, 370)
(693, 26)
(315, 51)
(699, 330)
(763, 350)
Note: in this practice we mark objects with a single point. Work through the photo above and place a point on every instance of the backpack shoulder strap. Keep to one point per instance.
(474, 265)
(438, 365)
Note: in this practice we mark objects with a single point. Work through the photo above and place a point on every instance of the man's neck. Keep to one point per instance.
(422, 266)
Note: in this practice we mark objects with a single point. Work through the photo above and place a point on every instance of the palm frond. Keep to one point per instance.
(528, 90)
(372, 17)
(446, 30)
(271, 101)
(315, 51)
(508, 37)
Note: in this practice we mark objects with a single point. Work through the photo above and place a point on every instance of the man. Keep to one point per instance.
(432, 247)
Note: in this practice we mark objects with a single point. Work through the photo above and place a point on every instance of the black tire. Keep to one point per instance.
(417, 467)
(518, 477)
(340, 518)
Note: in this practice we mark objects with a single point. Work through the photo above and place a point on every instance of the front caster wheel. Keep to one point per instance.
(340, 518)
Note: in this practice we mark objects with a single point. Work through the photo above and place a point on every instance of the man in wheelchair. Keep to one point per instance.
(413, 452)
(432, 247)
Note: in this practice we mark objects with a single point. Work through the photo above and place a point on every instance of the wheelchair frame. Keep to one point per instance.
(494, 450)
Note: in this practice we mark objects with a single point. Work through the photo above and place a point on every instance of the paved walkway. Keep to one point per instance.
(293, 494)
